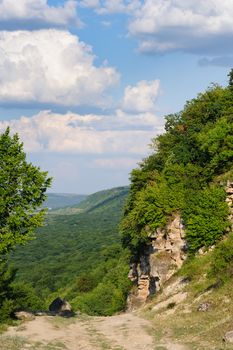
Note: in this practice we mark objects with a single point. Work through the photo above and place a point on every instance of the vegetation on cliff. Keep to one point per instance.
(185, 173)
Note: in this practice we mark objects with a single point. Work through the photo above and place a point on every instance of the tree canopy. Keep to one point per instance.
(185, 174)
(22, 191)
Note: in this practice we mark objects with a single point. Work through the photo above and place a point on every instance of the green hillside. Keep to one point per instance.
(61, 200)
(99, 201)
(71, 246)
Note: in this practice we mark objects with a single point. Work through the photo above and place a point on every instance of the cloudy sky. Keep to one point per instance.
(86, 83)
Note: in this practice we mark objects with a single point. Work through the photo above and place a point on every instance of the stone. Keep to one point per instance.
(204, 307)
(60, 307)
(159, 261)
(228, 337)
(24, 316)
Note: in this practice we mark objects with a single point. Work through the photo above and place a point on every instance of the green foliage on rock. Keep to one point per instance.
(184, 174)
(205, 217)
(222, 261)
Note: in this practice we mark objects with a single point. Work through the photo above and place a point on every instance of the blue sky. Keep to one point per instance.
(86, 83)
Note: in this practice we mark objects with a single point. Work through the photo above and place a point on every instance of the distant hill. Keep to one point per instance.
(61, 200)
(104, 199)
(70, 246)
(97, 202)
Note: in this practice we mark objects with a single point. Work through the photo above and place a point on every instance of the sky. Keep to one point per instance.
(86, 83)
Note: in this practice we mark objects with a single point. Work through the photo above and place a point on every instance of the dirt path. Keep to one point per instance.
(120, 332)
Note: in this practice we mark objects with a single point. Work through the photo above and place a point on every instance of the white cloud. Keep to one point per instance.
(51, 66)
(191, 25)
(112, 6)
(194, 26)
(21, 13)
(141, 97)
(88, 134)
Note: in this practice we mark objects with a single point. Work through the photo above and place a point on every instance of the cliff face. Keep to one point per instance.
(229, 200)
(160, 260)
(164, 256)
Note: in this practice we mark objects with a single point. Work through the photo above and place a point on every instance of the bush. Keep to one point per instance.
(222, 263)
(15, 296)
(205, 217)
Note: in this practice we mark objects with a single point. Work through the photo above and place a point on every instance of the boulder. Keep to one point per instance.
(24, 316)
(228, 337)
(61, 307)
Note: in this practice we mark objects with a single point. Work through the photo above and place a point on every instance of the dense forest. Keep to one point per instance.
(79, 256)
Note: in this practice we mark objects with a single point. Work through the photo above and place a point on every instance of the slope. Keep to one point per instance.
(61, 200)
(71, 246)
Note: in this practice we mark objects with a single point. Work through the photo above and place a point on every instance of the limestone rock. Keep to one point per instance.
(24, 316)
(160, 260)
(228, 337)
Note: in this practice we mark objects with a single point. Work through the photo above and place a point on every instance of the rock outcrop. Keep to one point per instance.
(164, 256)
(24, 316)
(228, 338)
(61, 307)
(160, 260)
(229, 200)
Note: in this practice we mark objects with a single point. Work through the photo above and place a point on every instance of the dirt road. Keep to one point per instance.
(120, 332)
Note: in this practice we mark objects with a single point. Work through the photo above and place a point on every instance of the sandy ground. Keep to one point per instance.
(121, 332)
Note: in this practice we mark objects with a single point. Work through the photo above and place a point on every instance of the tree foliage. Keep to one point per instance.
(22, 191)
(181, 174)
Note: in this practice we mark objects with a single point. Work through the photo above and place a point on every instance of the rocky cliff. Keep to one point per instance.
(229, 200)
(164, 256)
(160, 260)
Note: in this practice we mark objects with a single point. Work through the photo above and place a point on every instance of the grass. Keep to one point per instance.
(21, 343)
(12, 343)
(54, 345)
(61, 322)
(196, 329)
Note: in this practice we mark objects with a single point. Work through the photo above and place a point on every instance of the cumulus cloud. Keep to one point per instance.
(37, 13)
(141, 97)
(51, 66)
(88, 134)
(193, 25)
(112, 6)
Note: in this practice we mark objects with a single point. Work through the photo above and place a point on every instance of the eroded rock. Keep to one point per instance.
(160, 260)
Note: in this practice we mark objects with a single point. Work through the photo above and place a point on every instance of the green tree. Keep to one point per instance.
(230, 75)
(22, 191)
